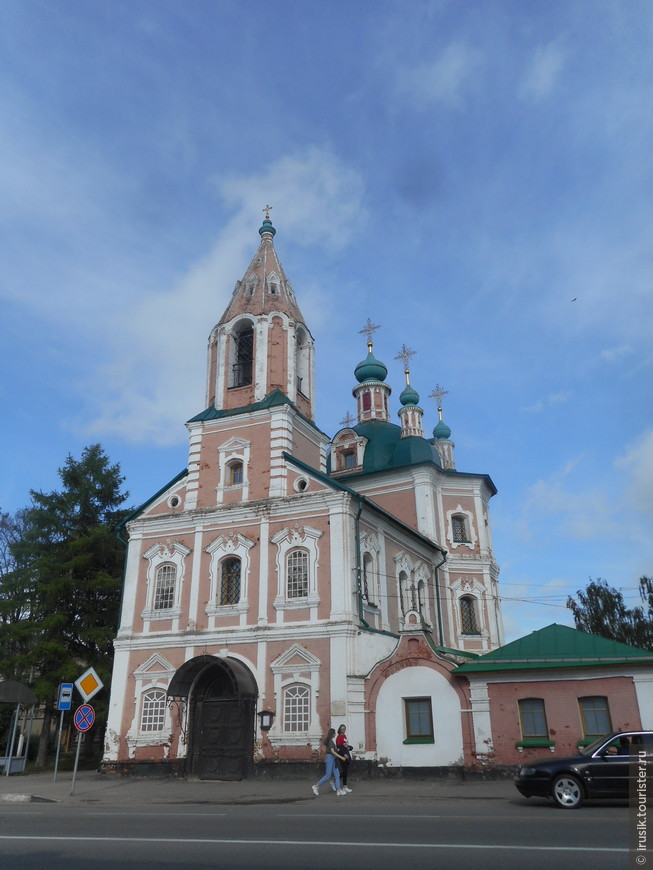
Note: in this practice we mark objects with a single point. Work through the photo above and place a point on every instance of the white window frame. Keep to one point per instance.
(302, 538)
(296, 666)
(223, 546)
(288, 714)
(153, 674)
(469, 525)
(233, 450)
(172, 552)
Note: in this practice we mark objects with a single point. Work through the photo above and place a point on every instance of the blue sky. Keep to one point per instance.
(457, 171)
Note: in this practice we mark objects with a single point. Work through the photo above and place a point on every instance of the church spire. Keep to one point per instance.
(372, 393)
(261, 342)
(410, 413)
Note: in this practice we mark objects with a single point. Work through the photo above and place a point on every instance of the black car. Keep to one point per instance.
(600, 770)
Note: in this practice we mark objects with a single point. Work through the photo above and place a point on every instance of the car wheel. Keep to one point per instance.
(567, 792)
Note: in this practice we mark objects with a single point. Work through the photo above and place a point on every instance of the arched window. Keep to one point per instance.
(230, 581)
(404, 589)
(468, 618)
(297, 574)
(235, 474)
(164, 587)
(459, 529)
(241, 370)
(153, 712)
(368, 578)
(367, 401)
(296, 709)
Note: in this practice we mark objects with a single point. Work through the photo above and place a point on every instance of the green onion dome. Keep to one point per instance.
(267, 227)
(409, 396)
(370, 369)
(442, 432)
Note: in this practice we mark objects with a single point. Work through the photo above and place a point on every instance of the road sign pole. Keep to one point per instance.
(56, 761)
(79, 743)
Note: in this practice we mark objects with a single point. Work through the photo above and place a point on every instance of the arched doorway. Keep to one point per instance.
(221, 694)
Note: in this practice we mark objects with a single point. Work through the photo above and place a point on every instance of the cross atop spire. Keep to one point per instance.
(347, 420)
(405, 355)
(438, 394)
(267, 209)
(369, 329)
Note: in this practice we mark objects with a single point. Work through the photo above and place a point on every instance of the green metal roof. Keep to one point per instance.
(558, 646)
(273, 400)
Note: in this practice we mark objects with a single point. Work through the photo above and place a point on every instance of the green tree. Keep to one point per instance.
(14, 598)
(71, 563)
(601, 610)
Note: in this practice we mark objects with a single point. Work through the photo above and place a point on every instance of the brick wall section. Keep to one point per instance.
(560, 697)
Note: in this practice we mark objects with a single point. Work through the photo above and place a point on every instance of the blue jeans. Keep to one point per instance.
(332, 769)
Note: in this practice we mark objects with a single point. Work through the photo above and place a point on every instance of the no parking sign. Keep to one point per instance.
(84, 717)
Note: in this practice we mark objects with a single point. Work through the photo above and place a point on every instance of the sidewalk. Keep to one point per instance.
(110, 789)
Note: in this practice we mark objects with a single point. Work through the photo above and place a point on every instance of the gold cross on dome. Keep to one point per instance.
(405, 355)
(369, 329)
(267, 209)
(438, 394)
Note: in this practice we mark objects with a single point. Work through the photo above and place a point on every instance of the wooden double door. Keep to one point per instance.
(222, 724)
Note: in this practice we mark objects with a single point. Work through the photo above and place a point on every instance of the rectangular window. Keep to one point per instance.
(296, 709)
(533, 718)
(419, 720)
(595, 716)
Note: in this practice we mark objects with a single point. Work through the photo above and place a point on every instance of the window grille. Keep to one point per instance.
(459, 530)
(297, 574)
(296, 709)
(230, 581)
(164, 591)
(468, 620)
(153, 713)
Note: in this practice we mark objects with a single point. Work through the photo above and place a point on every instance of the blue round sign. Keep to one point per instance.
(84, 717)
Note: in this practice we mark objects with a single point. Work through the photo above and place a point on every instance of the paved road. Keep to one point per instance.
(367, 833)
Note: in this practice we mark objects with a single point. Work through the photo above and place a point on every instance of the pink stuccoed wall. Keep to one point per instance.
(560, 697)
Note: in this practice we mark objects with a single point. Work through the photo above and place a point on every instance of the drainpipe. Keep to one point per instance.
(437, 596)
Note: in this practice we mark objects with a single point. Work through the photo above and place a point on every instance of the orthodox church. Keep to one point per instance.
(286, 582)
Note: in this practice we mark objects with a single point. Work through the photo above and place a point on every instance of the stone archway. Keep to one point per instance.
(221, 695)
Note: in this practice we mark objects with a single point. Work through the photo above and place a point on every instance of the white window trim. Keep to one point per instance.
(171, 552)
(234, 450)
(468, 587)
(155, 673)
(228, 545)
(469, 523)
(296, 666)
(302, 538)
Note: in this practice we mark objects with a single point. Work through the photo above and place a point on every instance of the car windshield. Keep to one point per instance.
(594, 745)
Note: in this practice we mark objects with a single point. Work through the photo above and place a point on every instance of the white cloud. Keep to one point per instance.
(544, 72)
(443, 80)
(615, 354)
(549, 401)
(638, 462)
(580, 514)
(157, 353)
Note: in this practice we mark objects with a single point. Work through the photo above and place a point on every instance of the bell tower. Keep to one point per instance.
(261, 342)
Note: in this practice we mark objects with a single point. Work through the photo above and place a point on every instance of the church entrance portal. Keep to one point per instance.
(221, 717)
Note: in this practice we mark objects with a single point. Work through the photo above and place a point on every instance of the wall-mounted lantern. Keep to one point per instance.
(266, 717)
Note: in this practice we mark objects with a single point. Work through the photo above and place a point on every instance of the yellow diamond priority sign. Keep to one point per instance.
(89, 684)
